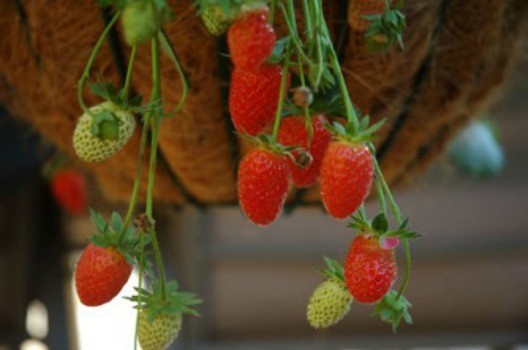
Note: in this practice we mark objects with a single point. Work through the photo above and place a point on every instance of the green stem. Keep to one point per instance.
(408, 263)
(126, 88)
(137, 180)
(379, 175)
(140, 283)
(173, 56)
(155, 122)
(307, 119)
(294, 37)
(307, 20)
(272, 12)
(381, 196)
(397, 214)
(336, 67)
(282, 95)
(93, 55)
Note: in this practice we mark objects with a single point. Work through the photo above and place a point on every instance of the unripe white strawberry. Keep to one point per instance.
(102, 132)
(160, 333)
(329, 303)
(215, 20)
(139, 22)
(331, 300)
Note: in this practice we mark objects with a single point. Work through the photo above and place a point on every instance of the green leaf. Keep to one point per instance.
(392, 309)
(340, 129)
(105, 125)
(277, 55)
(116, 223)
(98, 221)
(380, 224)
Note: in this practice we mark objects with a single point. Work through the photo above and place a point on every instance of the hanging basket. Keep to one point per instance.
(457, 56)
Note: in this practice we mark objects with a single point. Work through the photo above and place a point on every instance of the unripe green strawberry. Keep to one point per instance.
(139, 22)
(102, 132)
(215, 20)
(329, 303)
(160, 333)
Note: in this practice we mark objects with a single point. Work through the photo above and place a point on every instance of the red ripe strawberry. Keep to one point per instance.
(253, 98)
(346, 176)
(370, 270)
(251, 39)
(293, 133)
(69, 189)
(101, 274)
(263, 180)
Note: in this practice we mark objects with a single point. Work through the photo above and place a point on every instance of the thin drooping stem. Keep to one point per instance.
(307, 120)
(93, 55)
(272, 12)
(126, 88)
(282, 95)
(395, 209)
(137, 180)
(171, 53)
(141, 260)
(154, 126)
(381, 196)
(408, 263)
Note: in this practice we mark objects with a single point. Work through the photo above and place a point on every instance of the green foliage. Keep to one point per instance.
(359, 133)
(108, 91)
(384, 30)
(380, 228)
(393, 308)
(112, 233)
(334, 270)
(170, 301)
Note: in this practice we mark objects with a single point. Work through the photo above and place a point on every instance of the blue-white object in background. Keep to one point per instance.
(476, 151)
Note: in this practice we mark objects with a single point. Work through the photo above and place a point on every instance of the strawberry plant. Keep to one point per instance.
(300, 136)
(106, 263)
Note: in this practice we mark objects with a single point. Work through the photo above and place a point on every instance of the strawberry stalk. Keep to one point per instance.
(128, 78)
(395, 209)
(154, 125)
(137, 180)
(282, 95)
(93, 55)
(291, 14)
(308, 120)
(141, 260)
(171, 53)
(272, 11)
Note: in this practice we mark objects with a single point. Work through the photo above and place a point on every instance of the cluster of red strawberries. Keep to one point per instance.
(264, 174)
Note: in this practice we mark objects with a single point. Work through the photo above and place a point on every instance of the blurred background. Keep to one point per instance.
(469, 284)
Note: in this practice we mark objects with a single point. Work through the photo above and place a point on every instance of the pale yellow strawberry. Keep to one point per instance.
(113, 130)
(329, 303)
(160, 333)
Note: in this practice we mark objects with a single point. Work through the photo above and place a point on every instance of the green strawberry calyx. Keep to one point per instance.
(169, 302)
(353, 132)
(105, 125)
(393, 308)
(379, 227)
(385, 29)
(334, 270)
(113, 234)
